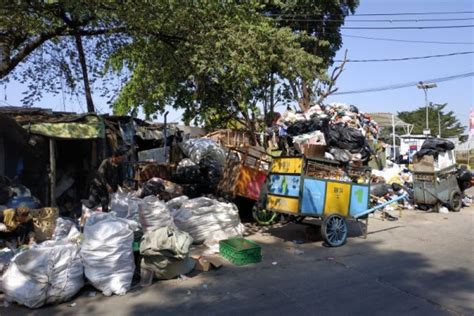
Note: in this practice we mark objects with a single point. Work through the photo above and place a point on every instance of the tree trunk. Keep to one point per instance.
(82, 61)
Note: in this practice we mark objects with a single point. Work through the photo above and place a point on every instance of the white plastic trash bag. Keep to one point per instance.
(154, 213)
(48, 274)
(65, 229)
(206, 220)
(198, 149)
(119, 202)
(107, 253)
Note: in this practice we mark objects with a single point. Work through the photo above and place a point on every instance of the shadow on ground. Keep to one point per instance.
(364, 277)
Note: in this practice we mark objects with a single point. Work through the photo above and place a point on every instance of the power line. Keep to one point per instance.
(413, 13)
(391, 27)
(407, 41)
(305, 18)
(405, 27)
(404, 58)
(406, 85)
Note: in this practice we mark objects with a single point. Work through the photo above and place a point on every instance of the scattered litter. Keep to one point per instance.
(205, 286)
(188, 292)
(183, 277)
(443, 210)
(274, 263)
(298, 252)
(72, 304)
(298, 242)
(330, 258)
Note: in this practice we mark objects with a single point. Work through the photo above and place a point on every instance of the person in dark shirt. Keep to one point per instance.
(109, 177)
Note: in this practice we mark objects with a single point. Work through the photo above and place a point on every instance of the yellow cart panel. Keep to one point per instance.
(287, 165)
(337, 198)
(284, 204)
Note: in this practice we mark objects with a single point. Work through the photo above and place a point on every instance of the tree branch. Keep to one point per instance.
(332, 81)
(11, 63)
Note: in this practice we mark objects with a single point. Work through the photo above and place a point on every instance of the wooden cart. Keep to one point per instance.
(245, 172)
(306, 187)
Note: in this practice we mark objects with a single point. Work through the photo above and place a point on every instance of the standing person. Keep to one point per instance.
(109, 177)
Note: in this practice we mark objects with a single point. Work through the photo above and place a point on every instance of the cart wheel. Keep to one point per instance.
(334, 230)
(455, 202)
(263, 217)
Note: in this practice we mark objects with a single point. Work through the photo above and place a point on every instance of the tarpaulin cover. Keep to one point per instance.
(88, 127)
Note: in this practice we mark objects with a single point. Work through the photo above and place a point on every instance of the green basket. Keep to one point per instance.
(136, 246)
(240, 251)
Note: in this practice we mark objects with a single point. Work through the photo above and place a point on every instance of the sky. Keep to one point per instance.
(457, 93)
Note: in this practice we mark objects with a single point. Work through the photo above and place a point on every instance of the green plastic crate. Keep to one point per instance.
(136, 246)
(240, 251)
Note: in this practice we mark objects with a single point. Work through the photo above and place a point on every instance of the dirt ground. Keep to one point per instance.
(422, 264)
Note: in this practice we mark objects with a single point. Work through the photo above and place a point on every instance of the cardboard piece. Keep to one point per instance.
(207, 263)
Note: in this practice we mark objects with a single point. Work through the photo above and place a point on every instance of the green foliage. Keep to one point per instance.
(450, 125)
(217, 60)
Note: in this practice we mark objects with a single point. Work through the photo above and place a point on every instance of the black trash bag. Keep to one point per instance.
(152, 187)
(187, 175)
(332, 135)
(353, 108)
(341, 155)
(464, 177)
(344, 137)
(379, 189)
(191, 190)
(303, 127)
(4, 194)
(434, 146)
(211, 176)
(364, 151)
(351, 138)
(396, 187)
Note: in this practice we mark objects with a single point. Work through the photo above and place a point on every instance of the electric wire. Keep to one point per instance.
(406, 85)
(304, 18)
(388, 14)
(405, 58)
(407, 41)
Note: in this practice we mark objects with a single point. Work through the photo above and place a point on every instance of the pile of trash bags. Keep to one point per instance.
(434, 146)
(340, 127)
(201, 172)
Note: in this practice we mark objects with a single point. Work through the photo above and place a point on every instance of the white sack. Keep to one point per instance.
(48, 274)
(207, 220)
(107, 253)
(154, 213)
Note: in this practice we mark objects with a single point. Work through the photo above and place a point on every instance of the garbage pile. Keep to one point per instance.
(55, 270)
(201, 171)
(337, 131)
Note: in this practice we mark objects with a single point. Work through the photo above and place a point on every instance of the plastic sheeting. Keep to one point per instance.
(107, 253)
(206, 220)
(52, 273)
(201, 149)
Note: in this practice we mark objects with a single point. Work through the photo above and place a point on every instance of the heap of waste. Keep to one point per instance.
(336, 131)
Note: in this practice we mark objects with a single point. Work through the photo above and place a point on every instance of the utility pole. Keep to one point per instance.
(425, 87)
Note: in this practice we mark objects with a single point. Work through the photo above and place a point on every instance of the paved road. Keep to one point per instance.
(422, 264)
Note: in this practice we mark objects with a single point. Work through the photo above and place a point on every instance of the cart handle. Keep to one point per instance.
(370, 210)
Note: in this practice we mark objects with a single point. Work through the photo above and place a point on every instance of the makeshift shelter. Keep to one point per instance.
(66, 147)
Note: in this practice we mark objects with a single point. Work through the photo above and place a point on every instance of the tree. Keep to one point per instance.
(450, 125)
(322, 21)
(42, 44)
